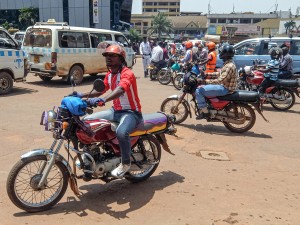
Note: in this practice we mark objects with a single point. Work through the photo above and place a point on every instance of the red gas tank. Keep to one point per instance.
(101, 127)
(256, 78)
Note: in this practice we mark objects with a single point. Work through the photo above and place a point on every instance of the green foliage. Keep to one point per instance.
(6, 25)
(28, 16)
(289, 25)
(161, 24)
(134, 36)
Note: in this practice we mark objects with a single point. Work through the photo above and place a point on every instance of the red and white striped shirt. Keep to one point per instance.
(125, 79)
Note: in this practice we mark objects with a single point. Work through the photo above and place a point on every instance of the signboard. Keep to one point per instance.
(242, 29)
(212, 29)
(95, 11)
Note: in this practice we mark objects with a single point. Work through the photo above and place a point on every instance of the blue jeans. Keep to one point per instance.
(128, 120)
(209, 90)
(283, 74)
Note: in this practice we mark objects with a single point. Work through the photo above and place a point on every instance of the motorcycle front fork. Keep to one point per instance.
(47, 165)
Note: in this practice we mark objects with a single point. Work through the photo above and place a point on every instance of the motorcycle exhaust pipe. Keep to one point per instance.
(231, 120)
(275, 101)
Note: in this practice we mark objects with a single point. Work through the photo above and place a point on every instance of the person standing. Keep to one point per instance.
(157, 55)
(145, 51)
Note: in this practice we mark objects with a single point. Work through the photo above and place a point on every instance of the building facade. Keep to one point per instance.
(169, 7)
(105, 14)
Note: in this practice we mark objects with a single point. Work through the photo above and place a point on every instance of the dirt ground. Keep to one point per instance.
(260, 184)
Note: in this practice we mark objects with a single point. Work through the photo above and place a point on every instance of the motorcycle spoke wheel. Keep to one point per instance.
(23, 180)
(168, 106)
(164, 77)
(147, 154)
(286, 96)
(177, 81)
(244, 113)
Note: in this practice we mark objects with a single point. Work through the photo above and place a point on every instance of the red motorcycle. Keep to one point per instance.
(280, 95)
(233, 110)
(40, 179)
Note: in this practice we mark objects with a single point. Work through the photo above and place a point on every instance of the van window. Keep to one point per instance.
(38, 37)
(267, 45)
(73, 39)
(295, 50)
(248, 48)
(6, 41)
(121, 39)
(96, 38)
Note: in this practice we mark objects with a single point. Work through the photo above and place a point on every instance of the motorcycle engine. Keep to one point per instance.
(106, 166)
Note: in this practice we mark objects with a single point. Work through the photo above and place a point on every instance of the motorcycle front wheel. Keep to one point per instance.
(181, 113)
(244, 113)
(286, 96)
(177, 81)
(23, 179)
(146, 156)
(164, 76)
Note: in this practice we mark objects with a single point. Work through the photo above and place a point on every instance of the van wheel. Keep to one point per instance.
(6, 83)
(77, 73)
(46, 79)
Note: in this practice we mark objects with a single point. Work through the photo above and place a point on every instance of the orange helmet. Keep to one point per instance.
(211, 45)
(112, 48)
(188, 44)
(172, 45)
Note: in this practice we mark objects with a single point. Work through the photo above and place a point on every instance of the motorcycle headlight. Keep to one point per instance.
(48, 119)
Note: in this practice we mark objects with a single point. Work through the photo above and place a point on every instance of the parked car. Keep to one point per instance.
(13, 62)
(258, 48)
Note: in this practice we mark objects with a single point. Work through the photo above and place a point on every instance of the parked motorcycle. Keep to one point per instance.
(40, 178)
(281, 95)
(166, 75)
(233, 110)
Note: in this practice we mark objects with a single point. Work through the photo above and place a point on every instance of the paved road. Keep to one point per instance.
(259, 185)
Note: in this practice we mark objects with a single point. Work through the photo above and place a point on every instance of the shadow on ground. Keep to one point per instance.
(99, 197)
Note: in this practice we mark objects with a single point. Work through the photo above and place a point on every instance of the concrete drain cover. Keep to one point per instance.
(221, 156)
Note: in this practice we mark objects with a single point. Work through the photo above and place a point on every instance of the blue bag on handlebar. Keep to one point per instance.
(75, 105)
(195, 69)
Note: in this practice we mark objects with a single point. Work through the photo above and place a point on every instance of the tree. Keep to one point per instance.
(161, 24)
(134, 36)
(289, 25)
(28, 16)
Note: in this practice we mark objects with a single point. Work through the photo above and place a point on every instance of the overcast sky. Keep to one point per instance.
(226, 6)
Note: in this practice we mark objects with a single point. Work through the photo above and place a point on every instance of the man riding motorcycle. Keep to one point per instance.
(126, 108)
(221, 83)
(286, 64)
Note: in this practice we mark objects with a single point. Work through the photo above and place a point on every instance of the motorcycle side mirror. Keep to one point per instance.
(98, 85)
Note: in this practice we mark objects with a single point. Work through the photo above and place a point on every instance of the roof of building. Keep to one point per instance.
(269, 23)
(185, 21)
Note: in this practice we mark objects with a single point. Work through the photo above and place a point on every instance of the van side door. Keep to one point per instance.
(130, 55)
(96, 38)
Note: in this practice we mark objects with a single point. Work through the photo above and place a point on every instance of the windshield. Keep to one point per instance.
(38, 37)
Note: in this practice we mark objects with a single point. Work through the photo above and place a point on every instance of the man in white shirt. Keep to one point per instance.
(145, 50)
(157, 53)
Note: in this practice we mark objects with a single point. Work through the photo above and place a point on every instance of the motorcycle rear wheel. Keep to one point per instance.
(168, 107)
(287, 94)
(147, 153)
(177, 81)
(247, 112)
(164, 77)
(24, 177)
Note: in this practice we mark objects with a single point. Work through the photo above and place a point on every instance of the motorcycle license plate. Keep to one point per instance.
(36, 59)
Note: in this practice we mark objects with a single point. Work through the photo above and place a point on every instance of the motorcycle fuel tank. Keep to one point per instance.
(256, 79)
(101, 128)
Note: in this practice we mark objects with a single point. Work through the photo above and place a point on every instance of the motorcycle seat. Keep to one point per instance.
(240, 95)
(286, 83)
(153, 123)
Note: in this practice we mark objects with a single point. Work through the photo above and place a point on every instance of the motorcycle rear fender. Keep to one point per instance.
(46, 152)
(176, 97)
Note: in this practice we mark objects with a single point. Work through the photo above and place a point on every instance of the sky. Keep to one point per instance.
(227, 6)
